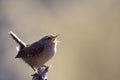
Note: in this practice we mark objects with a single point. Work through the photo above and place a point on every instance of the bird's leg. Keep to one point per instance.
(44, 65)
(36, 71)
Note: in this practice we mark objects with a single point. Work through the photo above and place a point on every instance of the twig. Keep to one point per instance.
(41, 74)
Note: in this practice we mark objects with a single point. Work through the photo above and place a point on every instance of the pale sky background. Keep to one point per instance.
(89, 31)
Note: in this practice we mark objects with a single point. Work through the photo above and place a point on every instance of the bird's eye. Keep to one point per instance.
(47, 38)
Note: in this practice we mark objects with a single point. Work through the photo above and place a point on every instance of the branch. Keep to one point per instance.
(41, 74)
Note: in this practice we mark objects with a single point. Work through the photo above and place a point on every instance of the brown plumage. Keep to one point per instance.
(38, 53)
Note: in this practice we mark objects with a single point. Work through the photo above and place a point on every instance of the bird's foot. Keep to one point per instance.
(41, 73)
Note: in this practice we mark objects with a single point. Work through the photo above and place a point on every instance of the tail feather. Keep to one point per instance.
(17, 40)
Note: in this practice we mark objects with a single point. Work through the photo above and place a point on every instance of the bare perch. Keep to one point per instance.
(41, 74)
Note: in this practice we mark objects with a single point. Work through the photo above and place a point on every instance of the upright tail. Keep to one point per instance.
(17, 40)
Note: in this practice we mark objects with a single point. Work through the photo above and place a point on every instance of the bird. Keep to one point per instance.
(37, 53)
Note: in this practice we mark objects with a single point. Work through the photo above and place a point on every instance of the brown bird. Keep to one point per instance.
(38, 53)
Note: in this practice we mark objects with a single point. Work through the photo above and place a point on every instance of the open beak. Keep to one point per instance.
(54, 39)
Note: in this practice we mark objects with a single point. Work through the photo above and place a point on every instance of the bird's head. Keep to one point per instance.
(49, 39)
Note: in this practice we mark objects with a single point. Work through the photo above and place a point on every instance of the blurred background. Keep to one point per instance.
(89, 31)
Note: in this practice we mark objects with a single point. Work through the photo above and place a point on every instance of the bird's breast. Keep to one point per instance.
(40, 59)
